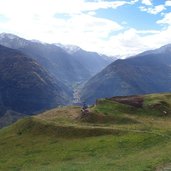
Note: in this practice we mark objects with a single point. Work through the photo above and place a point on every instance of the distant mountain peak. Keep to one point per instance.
(8, 35)
(148, 72)
(36, 41)
(162, 49)
(166, 47)
(12, 37)
(69, 48)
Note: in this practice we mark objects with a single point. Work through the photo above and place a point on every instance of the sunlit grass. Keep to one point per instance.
(115, 137)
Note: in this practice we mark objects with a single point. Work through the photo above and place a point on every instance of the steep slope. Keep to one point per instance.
(68, 67)
(149, 72)
(92, 61)
(25, 86)
(59, 63)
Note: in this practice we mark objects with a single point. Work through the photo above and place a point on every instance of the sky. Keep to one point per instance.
(112, 27)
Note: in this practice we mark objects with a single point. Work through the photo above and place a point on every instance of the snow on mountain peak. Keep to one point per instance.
(8, 35)
(69, 48)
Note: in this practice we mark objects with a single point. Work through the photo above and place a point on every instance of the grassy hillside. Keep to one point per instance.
(118, 134)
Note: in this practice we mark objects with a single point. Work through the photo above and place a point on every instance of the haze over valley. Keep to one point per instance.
(67, 75)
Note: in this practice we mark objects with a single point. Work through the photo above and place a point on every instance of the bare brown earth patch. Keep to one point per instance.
(69, 113)
(135, 101)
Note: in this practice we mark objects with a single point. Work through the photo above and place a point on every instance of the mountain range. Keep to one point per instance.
(37, 76)
(66, 67)
(148, 72)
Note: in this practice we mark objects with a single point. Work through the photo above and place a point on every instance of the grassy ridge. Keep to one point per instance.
(153, 104)
(60, 139)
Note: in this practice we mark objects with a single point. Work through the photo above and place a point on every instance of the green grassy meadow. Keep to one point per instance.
(112, 137)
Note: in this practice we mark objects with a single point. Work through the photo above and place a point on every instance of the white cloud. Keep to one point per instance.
(103, 5)
(147, 32)
(154, 10)
(80, 25)
(132, 41)
(38, 21)
(83, 30)
(147, 2)
(46, 7)
(166, 19)
(168, 3)
(93, 13)
(159, 39)
(128, 42)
